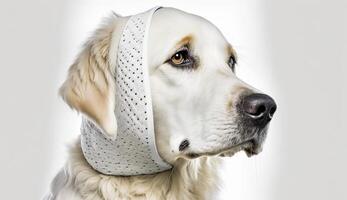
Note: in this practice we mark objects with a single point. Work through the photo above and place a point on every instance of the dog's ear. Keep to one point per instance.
(89, 87)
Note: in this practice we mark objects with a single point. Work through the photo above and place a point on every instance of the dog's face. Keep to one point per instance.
(200, 106)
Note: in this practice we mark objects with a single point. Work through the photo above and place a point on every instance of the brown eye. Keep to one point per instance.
(178, 58)
(182, 59)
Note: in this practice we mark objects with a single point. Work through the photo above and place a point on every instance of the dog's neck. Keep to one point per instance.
(189, 179)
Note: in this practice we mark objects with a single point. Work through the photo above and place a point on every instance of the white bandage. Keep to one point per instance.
(133, 152)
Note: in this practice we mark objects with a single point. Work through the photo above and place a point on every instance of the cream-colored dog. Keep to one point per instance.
(201, 110)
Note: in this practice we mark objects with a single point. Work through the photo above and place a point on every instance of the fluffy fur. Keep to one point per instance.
(189, 179)
(196, 104)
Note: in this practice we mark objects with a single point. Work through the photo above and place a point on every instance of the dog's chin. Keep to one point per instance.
(250, 147)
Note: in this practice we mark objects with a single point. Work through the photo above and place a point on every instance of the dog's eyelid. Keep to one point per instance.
(184, 47)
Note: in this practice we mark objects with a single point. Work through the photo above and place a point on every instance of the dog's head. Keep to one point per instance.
(200, 106)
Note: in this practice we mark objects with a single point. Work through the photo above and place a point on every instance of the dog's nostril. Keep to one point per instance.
(261, 109)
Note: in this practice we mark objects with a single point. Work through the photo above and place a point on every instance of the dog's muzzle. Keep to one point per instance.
(255, 111)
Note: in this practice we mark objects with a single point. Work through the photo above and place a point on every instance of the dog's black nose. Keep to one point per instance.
(258, 108)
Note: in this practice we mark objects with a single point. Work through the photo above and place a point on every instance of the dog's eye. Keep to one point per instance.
(179, 57)
(182, 59)
(232, 63)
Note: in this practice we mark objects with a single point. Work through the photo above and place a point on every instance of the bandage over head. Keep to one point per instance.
(133, 151)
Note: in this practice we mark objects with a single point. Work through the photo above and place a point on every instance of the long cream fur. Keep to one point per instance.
(189, 180)
(89, 87)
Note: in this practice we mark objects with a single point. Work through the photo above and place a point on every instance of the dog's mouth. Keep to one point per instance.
(251, 143)
(250, 147)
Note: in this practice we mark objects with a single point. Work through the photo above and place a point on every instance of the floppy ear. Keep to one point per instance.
(89, 87)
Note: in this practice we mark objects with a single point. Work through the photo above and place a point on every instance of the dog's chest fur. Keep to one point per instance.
(189, 180)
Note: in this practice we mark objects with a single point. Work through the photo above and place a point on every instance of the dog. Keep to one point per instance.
(201, 110)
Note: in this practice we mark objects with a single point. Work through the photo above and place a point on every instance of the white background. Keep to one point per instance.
(293, 50)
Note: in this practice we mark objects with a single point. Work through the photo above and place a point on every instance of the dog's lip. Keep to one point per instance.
(249, 146)
(253, 150)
